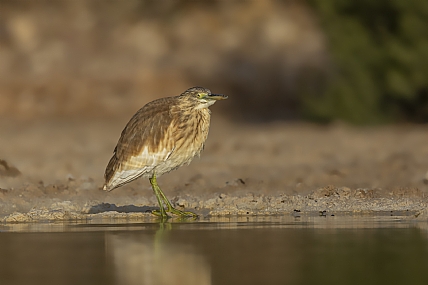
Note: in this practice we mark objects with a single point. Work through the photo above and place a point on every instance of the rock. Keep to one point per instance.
(8, 170)
(17, 217)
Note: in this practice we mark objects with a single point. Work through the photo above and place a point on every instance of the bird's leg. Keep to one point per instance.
(159, 197)
(175, 211)
(165, 200)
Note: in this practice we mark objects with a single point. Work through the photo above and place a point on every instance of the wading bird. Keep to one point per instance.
(162, 136)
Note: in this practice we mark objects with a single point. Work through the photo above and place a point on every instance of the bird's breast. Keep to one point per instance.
(189, 135)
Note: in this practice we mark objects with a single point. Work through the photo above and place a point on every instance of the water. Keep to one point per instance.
(271, 250)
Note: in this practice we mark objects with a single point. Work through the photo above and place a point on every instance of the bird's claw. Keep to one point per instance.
(181, 214)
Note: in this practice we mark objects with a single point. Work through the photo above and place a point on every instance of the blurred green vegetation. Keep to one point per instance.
(379, 52)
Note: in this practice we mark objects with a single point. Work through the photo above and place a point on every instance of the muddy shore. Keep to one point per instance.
(53, 171)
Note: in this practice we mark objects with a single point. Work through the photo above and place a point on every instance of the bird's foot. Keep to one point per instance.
(181, 214)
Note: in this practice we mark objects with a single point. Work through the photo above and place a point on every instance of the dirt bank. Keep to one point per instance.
(53, 170)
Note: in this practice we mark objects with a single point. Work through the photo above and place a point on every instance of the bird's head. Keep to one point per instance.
(201, 97)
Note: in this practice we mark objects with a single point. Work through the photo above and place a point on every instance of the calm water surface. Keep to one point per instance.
(275, 250)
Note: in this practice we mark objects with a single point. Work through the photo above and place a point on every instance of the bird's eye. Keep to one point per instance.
(201, 95)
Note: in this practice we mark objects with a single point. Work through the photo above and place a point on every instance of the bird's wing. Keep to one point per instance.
(144, 143)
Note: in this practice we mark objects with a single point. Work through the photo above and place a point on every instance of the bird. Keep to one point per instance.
(162, 136)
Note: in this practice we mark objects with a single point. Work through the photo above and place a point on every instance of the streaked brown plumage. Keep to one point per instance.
(162, 136)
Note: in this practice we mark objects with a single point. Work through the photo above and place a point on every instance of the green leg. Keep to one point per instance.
(163, 200)
(156, 189)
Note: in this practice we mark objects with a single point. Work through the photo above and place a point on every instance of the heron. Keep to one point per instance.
(162, 136)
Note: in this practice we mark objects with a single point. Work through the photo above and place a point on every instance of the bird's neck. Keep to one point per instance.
(206, 105)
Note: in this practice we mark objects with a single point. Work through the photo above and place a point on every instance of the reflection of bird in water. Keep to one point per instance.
(162, 136)
(144, 258)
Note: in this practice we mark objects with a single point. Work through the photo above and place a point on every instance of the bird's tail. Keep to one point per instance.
(110, 170)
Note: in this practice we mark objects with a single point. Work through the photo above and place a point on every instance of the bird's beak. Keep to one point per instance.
(217, 96)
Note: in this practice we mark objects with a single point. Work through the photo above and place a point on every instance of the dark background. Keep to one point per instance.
(364, 62)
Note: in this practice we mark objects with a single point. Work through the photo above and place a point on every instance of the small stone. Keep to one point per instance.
(70, 177)
(8, 170)
(181, 202)
(235, 182)
(51, 189)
